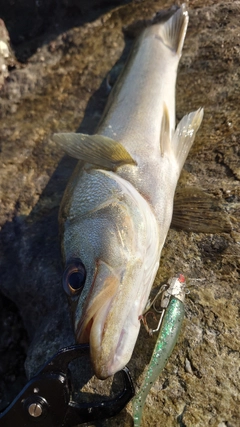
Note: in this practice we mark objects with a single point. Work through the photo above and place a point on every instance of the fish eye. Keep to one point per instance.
(74, 277)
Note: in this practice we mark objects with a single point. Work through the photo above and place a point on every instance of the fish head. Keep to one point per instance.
(112, 259)
(106, 304)
(108, 318)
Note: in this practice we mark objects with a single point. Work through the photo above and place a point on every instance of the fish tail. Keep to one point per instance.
(174, 30)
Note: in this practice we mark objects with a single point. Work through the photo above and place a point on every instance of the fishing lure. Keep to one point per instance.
(170, 325)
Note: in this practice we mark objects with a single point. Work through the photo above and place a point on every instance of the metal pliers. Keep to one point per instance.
(46, 400)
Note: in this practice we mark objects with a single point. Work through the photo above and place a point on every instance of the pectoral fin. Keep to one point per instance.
(195, 210)
(98, 150)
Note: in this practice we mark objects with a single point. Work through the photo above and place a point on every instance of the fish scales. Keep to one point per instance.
(117, 207)
(135, 125)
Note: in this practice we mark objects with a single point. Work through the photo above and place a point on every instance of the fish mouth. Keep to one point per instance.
(107, 356)
(110, 332)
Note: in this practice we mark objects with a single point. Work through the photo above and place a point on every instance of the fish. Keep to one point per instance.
(117, 207)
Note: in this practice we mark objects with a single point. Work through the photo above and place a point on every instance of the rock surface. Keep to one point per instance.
(61, 87)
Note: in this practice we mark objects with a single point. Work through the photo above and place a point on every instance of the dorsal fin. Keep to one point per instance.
(200, 212)
(165, 141)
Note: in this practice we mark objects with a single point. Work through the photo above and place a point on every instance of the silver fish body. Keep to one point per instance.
(117, 208)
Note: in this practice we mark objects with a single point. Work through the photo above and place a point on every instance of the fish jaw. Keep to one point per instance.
(113, 359)
(101, 294)
(110, 322)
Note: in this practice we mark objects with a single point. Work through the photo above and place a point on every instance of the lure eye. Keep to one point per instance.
(74, 277)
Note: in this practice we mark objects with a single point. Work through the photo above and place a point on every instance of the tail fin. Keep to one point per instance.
(174, 30)
(185, 134)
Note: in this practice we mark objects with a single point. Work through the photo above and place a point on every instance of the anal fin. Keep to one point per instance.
(185, 134)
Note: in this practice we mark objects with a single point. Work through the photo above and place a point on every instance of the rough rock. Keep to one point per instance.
(62, 87)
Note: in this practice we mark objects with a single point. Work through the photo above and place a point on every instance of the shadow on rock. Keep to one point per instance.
(31, 269)
(33, 22)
